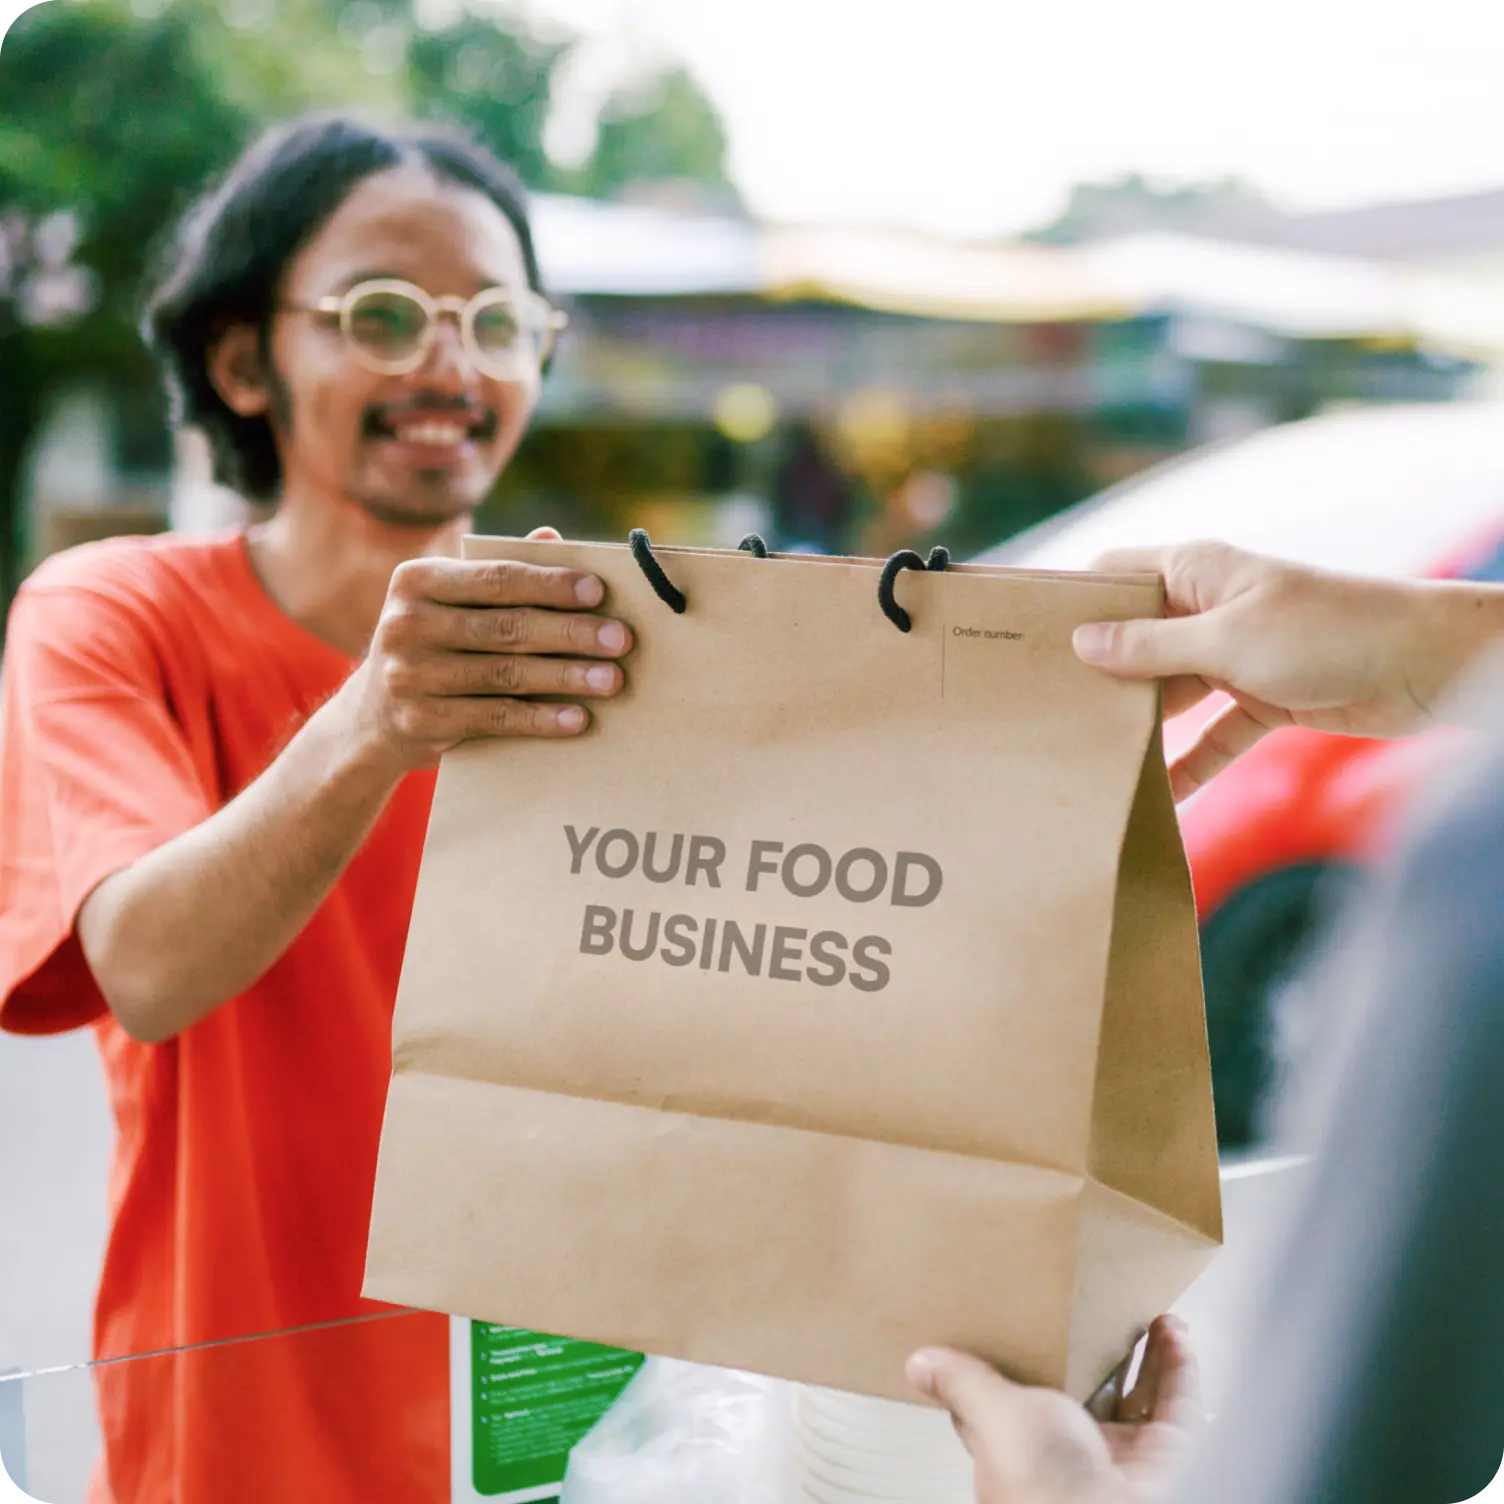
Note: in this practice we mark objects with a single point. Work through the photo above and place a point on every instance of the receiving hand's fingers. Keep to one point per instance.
(1197, 576)
(546, 535)
(509, 674)
(496, 582)
(1223, 739)
(969, 1388)
(1106, 1402)
(1135, 560)
(1151, 648)
(1169, 1380)
(1181, 692)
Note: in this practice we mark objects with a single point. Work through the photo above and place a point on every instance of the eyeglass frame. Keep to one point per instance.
(464, 309)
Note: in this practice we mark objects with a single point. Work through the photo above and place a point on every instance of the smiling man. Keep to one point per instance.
(216, 765)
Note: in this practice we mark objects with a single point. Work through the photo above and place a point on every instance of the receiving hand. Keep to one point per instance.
(1292, 646)
(1036, 1446)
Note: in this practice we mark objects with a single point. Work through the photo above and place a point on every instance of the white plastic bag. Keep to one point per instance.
(682, 1433)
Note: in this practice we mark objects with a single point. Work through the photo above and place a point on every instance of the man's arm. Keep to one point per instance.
(197, 921)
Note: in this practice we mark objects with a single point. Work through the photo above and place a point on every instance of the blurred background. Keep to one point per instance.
(855, 277)
(852, 282)
(1029, 286)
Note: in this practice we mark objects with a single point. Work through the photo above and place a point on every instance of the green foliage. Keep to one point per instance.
(497, 84)
(274, 58)
(666, 130)
(1134, 203)
(117, 112)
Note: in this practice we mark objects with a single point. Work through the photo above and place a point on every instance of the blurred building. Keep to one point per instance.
(879, 388)
(854, 390)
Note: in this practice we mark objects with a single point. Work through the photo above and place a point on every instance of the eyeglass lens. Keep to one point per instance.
(392, 326)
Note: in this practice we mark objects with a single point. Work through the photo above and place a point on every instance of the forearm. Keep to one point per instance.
(1457, 622)
(200, 919)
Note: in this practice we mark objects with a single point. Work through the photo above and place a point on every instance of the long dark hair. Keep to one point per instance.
(226, 260)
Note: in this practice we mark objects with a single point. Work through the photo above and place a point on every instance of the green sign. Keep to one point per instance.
(532, 1398)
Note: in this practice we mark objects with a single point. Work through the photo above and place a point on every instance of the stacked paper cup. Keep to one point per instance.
(849, 1449)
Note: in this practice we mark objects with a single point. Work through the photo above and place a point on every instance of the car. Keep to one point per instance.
(1277, 839)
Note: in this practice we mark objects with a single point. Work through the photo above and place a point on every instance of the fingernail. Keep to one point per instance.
(572, 718)
(1090, 642)
(920, 1370)
(589, 591)
(601, 677)
(612, 637)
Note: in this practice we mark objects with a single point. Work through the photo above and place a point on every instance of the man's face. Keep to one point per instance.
(417, 450)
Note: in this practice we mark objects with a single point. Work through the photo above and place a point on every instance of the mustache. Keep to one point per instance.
(380, 417)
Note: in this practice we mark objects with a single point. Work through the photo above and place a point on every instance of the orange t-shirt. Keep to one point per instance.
(145, 682)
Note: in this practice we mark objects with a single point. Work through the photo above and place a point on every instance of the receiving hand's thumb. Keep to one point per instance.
(965, 1385)
(1145, 649)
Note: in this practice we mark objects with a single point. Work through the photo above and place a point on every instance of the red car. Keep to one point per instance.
(1276, 839)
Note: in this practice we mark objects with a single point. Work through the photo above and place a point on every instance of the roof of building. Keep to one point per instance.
(1412, 230)
(589, 248)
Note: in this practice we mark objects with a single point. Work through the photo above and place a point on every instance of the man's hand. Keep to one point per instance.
(1292, 646)
(1036, 1446)
(461, 647)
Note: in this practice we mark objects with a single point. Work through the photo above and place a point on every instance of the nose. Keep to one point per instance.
(449, 364)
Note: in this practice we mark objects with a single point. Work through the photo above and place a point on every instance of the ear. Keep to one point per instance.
(238, 373)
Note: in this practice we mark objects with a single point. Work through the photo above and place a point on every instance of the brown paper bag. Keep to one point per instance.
(835, 994)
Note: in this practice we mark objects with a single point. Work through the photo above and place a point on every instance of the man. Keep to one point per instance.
(1375, 1377)
(215, 770)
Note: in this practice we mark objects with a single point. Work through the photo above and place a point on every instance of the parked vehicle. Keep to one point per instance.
(1276, 839)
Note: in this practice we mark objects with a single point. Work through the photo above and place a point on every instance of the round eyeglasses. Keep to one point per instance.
(390, 327)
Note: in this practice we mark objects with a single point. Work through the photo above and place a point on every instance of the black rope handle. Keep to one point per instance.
(664, 588)
(753, 544)
(904, 559)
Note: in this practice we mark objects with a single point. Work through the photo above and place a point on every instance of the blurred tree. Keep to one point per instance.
(110, 119)
(665, 130)
(113, 113)
(1134, 203)
(104, 121)
(495, 83)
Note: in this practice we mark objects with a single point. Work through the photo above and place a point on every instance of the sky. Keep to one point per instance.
(973, 117)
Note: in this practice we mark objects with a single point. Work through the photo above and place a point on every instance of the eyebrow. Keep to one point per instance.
(376, 274)
(379, 275)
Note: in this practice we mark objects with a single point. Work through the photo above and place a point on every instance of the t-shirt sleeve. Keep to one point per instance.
(95, 772)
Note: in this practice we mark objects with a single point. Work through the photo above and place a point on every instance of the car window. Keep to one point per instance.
(1380, 492)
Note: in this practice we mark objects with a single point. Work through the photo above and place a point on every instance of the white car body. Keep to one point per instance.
(1378, 491)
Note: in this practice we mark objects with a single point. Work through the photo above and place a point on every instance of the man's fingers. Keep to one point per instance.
(965, 1385)
(496, 582)
(1224, 738)
(497, 717)
(522, 629)
(546, 535)
(1148, 648)
(465, 674)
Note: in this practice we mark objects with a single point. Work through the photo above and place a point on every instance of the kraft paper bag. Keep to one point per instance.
(837, 993)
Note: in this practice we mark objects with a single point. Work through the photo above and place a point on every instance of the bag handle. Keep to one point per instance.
(675, 599)
(904, 559)
(665, 589)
